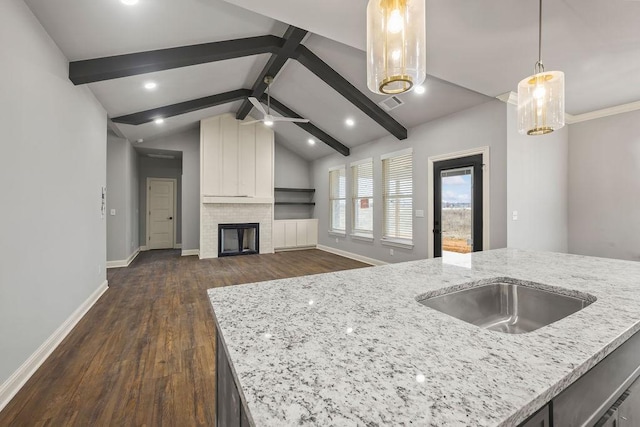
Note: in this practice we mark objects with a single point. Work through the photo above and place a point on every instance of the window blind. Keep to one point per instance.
(363, 197)
(398, 196)
(337, 199)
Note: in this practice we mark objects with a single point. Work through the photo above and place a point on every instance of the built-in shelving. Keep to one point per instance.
(296, 190)
(287, 199)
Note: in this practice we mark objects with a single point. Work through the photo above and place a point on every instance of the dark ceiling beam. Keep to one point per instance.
(282, 109)
(183, 107)
(113, 67)
(293, 37)
(321, 69)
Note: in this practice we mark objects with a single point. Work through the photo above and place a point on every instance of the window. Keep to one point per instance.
(337, 199)
(397, 197)
(362, 197)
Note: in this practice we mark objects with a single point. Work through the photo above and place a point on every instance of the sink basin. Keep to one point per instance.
(507, 307)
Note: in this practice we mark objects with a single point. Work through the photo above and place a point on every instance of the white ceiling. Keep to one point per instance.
(486, 46)
(490, 45)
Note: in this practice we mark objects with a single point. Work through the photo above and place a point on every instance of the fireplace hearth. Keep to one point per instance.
(238, 239)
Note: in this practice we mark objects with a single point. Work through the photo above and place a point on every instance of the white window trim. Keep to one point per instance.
(359, 162)
(362, 236)
(397, 153)
(338, 232)
(486, 196)
(397, 243)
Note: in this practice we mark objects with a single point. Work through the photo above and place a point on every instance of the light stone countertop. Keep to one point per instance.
(348, 348)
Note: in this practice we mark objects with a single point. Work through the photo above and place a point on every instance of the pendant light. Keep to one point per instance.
(541, 97)
(396, 44)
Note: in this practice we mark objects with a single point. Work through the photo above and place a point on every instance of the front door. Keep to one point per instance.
(457, 225)
(161, 206)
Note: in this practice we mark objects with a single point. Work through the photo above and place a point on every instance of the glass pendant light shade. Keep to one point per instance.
(541, 103)
(396, 45)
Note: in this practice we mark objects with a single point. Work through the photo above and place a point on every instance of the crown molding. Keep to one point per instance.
(512, 98)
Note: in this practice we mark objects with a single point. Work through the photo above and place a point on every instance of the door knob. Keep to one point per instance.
(170, 217)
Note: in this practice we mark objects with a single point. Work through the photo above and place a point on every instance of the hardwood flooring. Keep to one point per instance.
(144, 355)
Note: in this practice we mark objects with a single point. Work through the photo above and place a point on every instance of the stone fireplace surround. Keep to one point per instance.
(213, 214)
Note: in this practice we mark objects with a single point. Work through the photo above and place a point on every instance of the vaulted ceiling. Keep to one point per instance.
(476, 50)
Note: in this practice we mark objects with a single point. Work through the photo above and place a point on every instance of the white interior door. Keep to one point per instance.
(161, 216)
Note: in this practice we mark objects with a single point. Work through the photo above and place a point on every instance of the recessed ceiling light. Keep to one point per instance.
(150, 85)
(140, 141)
(129, 2)
(350, 122)
(312, 142)
(420, 90)
(159, 121)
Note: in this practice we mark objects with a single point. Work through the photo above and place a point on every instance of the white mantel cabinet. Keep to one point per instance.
(236, 161)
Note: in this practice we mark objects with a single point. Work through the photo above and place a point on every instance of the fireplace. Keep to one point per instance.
(238, 239)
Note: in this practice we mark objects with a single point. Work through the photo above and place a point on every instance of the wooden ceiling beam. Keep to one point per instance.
(147, 116)
(330, 76)
(113, 67)
(293, 37)
(310, 128)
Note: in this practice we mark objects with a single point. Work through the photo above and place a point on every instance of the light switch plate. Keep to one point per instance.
(514, 215)
(419, 213)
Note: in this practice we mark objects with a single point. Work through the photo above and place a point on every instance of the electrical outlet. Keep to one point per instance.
(337, 240)
(514, 215)
(391, 252)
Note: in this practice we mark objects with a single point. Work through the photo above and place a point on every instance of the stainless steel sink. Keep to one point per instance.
(507, 307)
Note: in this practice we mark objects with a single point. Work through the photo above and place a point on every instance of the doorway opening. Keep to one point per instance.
(458, 203)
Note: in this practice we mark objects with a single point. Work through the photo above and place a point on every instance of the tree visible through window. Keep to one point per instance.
(337, 199)
(398, 196)
(362, 197)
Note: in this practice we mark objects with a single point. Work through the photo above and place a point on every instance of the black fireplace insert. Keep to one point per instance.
(238, 239)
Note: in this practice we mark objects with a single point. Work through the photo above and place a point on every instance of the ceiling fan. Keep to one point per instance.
(267, 118)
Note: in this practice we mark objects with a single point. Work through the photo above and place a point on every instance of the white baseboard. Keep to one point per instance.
(177, 246)
(143, 248)
(124, 262)
(351, 255)
(300, 248)
(15, 382)
(191, 252)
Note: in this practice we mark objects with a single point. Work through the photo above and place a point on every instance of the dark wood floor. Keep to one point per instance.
(144, 354)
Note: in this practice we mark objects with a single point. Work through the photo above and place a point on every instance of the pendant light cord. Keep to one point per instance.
(539, 68)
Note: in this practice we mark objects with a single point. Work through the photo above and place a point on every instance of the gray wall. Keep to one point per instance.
(537, 188)
(484, 125)
(122, 195)
(604, 187)
(292, 171)
(188, 142)
(158, 168)
(53, 245)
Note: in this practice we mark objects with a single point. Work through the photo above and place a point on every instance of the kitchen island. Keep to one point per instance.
(357, 348)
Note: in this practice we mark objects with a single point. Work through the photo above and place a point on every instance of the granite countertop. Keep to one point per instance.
(356, 348)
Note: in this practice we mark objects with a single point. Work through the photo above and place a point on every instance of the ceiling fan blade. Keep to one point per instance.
(258, 106)
(290, 119)
(250, 123)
